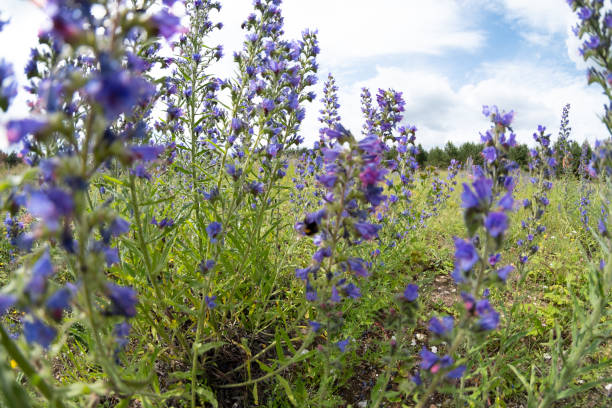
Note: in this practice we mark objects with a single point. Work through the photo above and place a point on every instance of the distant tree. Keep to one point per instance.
(13, 159)
(438, 158)
(421, 156)
(520, 154)
(451, 151)
(575, 149)
(470, 149)
(10, 159)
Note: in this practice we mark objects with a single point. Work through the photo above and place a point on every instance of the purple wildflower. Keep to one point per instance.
(335, 295)
(366, 230)
(489, 318)
(8, 85)
(504, 272)
(428, 359)
(119, 226)
(315, 326)
(123, 300)
(456, 373)
(585, 13)
(352, 291)
(480, 197)
(42, 269)
(146, 152)
(116, 91)
(17, 130)
(342, 344)
(490, 154)
(441, 327)
(465, 255)
(37, 332)
(59, 301)
(358, 266)
(121, 333)
(411, 293)
(210, 301)
(207, 265)
(496, 223)
(166, 24)
(213, 230)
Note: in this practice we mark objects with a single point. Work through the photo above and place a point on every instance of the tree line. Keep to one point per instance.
(440, 157)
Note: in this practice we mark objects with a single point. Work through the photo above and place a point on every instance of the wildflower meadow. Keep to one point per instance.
(171, 240)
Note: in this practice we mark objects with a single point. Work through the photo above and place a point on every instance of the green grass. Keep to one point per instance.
(262, 312)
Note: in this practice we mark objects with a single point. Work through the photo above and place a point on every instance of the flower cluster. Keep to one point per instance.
(307, 194)
(329, 113)
(441, 190)
(398, 151)
(486, 205)
(8, 85)
(542, 166)
(586, 187)
(84, 109)
(189, 81)
(351, 179)
(564, 153)
(595, 29)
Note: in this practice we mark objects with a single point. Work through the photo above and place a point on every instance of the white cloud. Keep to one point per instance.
(17, 38)
(541, 16)
(358, 29)
(444, 113)
(543, 21)
(352, 33)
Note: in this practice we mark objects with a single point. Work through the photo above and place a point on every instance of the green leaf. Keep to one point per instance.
(114, 180)
(288, 390)
(520, 377)
(208, 396)
(570, 392)
(79, 389)
(279, 346)
(123, 403)
(200, 349)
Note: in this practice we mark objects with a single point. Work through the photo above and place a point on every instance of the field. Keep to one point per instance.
(170, 240)
(245, 336)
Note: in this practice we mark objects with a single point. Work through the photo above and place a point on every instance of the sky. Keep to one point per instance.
(447, 57)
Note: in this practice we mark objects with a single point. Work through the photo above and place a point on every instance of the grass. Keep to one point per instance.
(262, 315)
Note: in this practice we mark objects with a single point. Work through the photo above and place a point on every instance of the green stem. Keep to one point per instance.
(28, 369)
(585, 336)
(196, 344)
(298, 354)
(143, 246)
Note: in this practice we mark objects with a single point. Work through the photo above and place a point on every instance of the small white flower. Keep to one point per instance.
(434, 349)
(547, 356)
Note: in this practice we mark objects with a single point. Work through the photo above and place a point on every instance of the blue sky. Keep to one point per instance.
(448, 57)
